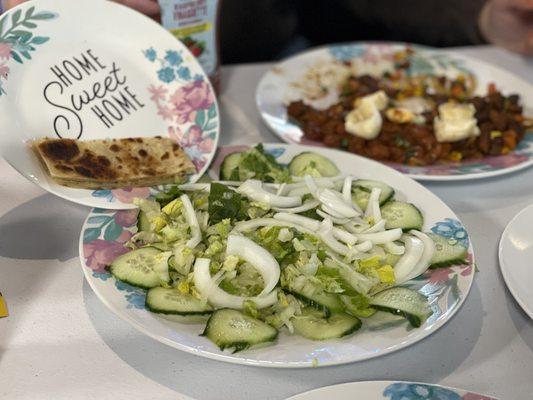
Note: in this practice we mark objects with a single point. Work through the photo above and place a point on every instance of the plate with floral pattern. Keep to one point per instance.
(94, 69)
(105, 233)
(389, 390)
(283, 83)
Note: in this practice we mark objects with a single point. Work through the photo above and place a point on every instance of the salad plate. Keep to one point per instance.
(94, 69)
(288, 82)
(106, 232)
(515, 254)
(389, 390)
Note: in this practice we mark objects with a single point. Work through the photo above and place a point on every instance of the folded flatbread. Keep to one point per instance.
(113, 163)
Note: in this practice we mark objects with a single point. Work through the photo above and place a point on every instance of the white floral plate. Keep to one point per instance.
(277, 88)
(93, 69)
(516, 255)
(389, 390)
(105, 232)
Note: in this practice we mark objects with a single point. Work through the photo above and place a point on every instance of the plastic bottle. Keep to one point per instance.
(195, 23)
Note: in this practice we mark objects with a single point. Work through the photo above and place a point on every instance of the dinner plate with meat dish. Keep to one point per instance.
(432, 114)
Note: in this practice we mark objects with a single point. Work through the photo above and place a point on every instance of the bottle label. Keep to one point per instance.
(193, 22)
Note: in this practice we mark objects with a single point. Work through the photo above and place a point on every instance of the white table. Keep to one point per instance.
(60, 342)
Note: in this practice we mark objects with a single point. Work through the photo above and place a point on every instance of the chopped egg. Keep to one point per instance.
(416, 104)
(378, 99)
(455, 122)
(402, 115)
(365, 121)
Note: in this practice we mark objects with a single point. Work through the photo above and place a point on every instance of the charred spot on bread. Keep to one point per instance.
(60, 150)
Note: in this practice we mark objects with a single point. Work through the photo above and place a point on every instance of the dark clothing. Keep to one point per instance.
(259, 30)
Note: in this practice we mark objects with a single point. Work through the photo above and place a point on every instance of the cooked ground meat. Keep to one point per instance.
(500, 121)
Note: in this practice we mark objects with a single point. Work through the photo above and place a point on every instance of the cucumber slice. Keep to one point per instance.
(314, 296)
(143, 267)
(143, 223)
(447, 253)
(362, 188)
(313, 164)
(229, 328)
(162, 300)
(405, 302)
(313, 325)
(230, 163)
(402, 215)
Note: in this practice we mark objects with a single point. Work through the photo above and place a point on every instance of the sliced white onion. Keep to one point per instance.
(347, 189)
(195, 186)
(311, 185)
(258, 257)
(377, 227)
(414, 249)
(372, 209)
(334, 201)
(356, 225)
(381, 237)
(281, 189)
(308, 205)
(219, 298)
(314, 225)
(326, 235)
(335, 220)
(245, 226)
(394, 248)
(332, 212)
(344, 236)
(254, 190)
(239, 183)
(364, 246)
(192, 221)
(429, 249)
(308, 223)
(322, 182)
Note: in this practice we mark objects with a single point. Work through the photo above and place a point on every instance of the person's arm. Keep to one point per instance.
(148, 7)
(509, 24)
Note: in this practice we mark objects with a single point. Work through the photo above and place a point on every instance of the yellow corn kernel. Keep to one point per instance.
(506, 150)
(495, 134)
(456, 156)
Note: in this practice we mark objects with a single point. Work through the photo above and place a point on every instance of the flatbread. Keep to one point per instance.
(113, 163)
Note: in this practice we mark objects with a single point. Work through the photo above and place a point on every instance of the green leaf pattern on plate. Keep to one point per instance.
(17, 40)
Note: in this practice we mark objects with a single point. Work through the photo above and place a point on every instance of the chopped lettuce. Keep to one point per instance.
(225, 203)
(256, 163)
(163, 198)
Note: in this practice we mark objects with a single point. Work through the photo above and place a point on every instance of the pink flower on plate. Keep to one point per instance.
(128, 194)
(189, 98)
(508, 160)
(467, 267)
(100, 253)
(193, 137)
(4, 71)
(474, 396)
(438, 275)
(165, 111)
(126, 218)
(5, 51)
(175, 133)
(158, 93)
